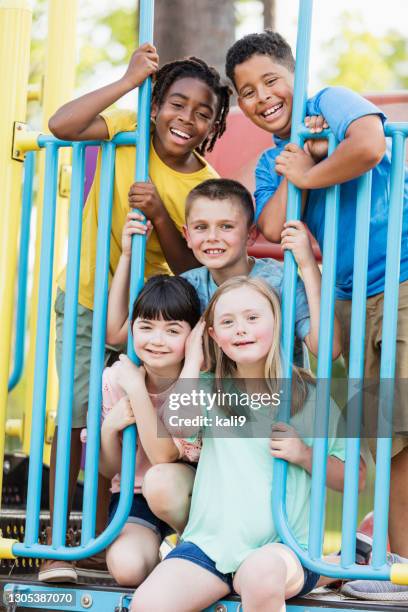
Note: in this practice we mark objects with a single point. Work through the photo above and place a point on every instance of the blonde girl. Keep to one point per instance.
(230, 542)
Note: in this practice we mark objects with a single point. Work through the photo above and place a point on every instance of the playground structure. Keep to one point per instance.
(41, 395)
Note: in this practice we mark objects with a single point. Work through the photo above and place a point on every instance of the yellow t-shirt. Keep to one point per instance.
(172, 186)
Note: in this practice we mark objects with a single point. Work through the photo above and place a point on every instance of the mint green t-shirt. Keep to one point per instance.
(231, 509)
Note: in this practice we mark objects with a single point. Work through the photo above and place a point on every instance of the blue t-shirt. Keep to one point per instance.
(340, 107)
(270, 271)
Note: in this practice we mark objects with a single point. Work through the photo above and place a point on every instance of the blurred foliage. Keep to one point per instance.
(105, 37)
(364, 62)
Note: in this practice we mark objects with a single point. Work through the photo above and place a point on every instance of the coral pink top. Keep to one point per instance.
(112, 392)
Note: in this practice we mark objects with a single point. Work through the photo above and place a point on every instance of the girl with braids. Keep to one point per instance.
(230, 542)
(189, 109)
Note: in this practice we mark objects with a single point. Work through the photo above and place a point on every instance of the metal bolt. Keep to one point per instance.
(221, 608)
(6, 467)
(19, 127)
(86, 601)
(17, 153)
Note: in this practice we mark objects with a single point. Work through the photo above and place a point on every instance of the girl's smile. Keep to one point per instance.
(160, 344)
(183, 120)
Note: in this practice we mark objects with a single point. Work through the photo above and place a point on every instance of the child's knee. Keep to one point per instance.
(160, 487)
(263, 578)
(258, 585)
(127, 570)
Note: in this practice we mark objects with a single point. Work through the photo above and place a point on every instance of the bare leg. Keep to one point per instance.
(133, 555)
(177, 584)
(268, 577)
(398, 520)
(167, 488)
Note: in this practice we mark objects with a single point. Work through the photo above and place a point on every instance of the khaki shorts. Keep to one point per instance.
(82, 356)
(373, 338)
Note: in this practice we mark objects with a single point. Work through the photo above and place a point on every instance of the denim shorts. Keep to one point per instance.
(140, 514)
(191, 552)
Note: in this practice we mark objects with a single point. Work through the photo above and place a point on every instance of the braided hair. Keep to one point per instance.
(197, 69)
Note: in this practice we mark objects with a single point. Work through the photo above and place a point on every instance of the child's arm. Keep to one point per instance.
(194, 356)
(132, 379)
(296, 239)
(361, 150)
(293, 449)
(120, 417)
(80, 120)
(118, 302)
(180, 258)
(273, 216)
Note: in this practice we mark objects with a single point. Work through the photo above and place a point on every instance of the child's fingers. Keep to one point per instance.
(134, 215)
(136, 228)
(286, 243)
(290, 231)
(317, 123)
(140, 188)
(280, 426)
(291, 148)
(279, 454)
(284, 155)
(148, 47)
(294, 223)
(124, 359)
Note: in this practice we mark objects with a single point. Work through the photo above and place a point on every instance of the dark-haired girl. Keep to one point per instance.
(163, 316)
(189, 109)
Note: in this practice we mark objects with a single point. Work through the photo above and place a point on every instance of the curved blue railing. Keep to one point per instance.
(22, 273)
(312, 557)
(89, 543)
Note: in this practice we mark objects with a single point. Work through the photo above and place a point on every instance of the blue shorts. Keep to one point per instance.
(191, 552)
(141, 514)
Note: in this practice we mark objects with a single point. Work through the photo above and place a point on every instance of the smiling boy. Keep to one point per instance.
(261, 67)
(219, 228)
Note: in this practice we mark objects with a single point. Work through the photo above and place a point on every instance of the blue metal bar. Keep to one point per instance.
(388, 351)
(129, 138)
(324, 367)
(356, 371)
(29, 166)
(66, 391)
(310, 559)
(294, 194)
(112, 531)
(98, 341)
(41, 350)
(142, 163)
(290, 268)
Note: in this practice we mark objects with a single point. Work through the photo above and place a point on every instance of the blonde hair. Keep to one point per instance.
(223, 367)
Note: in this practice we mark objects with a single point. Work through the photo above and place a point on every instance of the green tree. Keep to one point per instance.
(116, 30)
(365, 62)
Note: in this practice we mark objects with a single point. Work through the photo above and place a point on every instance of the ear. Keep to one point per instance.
(253, 234)
(212, 333)
(154, 109)
(186, 236)
(214, 128)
